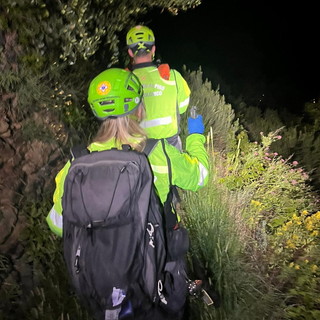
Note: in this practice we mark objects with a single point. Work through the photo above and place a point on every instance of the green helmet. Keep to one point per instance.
(140, 38)
(114, 93)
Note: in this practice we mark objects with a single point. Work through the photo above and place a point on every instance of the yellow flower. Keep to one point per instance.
(256, 203)
(306, 261)
(314, 268)
(304, 212)
(289, 223)
(295, 237)
(317, 215)
(290, 244)
(297, 267)
(291, 265)
(309, 225)
(315, 233)
(295, 217)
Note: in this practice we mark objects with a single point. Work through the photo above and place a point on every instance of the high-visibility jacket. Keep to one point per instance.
(189, 172)
(164, 100)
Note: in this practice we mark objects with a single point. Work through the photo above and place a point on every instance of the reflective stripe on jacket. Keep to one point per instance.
(189, 169)
(189, 172)
(164, 99)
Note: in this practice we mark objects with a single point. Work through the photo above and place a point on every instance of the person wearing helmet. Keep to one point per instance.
(115, 98)
(166, 93)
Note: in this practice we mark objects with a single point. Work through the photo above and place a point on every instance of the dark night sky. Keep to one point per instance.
(247, 47)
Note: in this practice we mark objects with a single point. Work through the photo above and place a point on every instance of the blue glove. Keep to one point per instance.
(195, 125)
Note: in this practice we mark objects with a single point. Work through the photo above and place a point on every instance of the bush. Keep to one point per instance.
(218, 115)
(237, 226)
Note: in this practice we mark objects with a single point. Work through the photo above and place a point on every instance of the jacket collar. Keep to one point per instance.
(143, 65)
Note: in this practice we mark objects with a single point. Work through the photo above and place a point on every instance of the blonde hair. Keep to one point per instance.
(124, 130)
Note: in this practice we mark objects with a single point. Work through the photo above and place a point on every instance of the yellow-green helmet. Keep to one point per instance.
(140, 38)
(114, 93)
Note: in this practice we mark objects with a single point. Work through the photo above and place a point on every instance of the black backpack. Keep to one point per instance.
(113, 236)
(115, 241)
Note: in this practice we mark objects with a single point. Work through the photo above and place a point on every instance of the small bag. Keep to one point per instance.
(176, 281)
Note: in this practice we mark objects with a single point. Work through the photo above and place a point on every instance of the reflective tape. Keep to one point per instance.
(156, 122)
(159, 169)
(56, 218)
(203, 174)
(184, 103)
(169, 82)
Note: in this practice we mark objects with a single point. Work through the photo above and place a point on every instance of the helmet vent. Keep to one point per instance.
(130, 88)
(127, 99)
(106, 102)
(108, 110)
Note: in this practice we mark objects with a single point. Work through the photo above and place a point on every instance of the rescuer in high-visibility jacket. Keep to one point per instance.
(121, 92)
(166, 93)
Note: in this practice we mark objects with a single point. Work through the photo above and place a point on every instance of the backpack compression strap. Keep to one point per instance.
(150, 144)
(78, 151)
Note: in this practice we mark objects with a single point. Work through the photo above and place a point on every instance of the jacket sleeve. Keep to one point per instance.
(54, 218)
(183, 92)
(190, 169)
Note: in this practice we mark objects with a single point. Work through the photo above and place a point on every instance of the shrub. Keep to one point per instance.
(220, 244)
(218, 115)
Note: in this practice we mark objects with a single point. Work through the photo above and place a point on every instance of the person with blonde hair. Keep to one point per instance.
(116, 99)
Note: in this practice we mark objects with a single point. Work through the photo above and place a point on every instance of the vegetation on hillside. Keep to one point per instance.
(254, 228)
(256, 225)
(301, 139)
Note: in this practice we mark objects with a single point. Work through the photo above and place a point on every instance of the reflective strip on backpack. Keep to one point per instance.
(156, 122)
(56, 218)
(203, 174)
(184, 103)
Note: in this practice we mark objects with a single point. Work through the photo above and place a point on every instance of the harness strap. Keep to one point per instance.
(171, 218)
(78, 151)
(150, 144)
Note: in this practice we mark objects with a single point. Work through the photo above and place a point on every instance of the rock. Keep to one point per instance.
(4, 126)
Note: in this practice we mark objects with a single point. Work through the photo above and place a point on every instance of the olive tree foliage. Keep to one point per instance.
(64, 43)
(73, 29)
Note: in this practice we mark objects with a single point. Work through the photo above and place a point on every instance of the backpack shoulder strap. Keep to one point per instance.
(164, 70)
(125, 147)
(78, 151)
(150, 144)
(171, 217)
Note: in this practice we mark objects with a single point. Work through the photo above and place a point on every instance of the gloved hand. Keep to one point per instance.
(195, 125)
